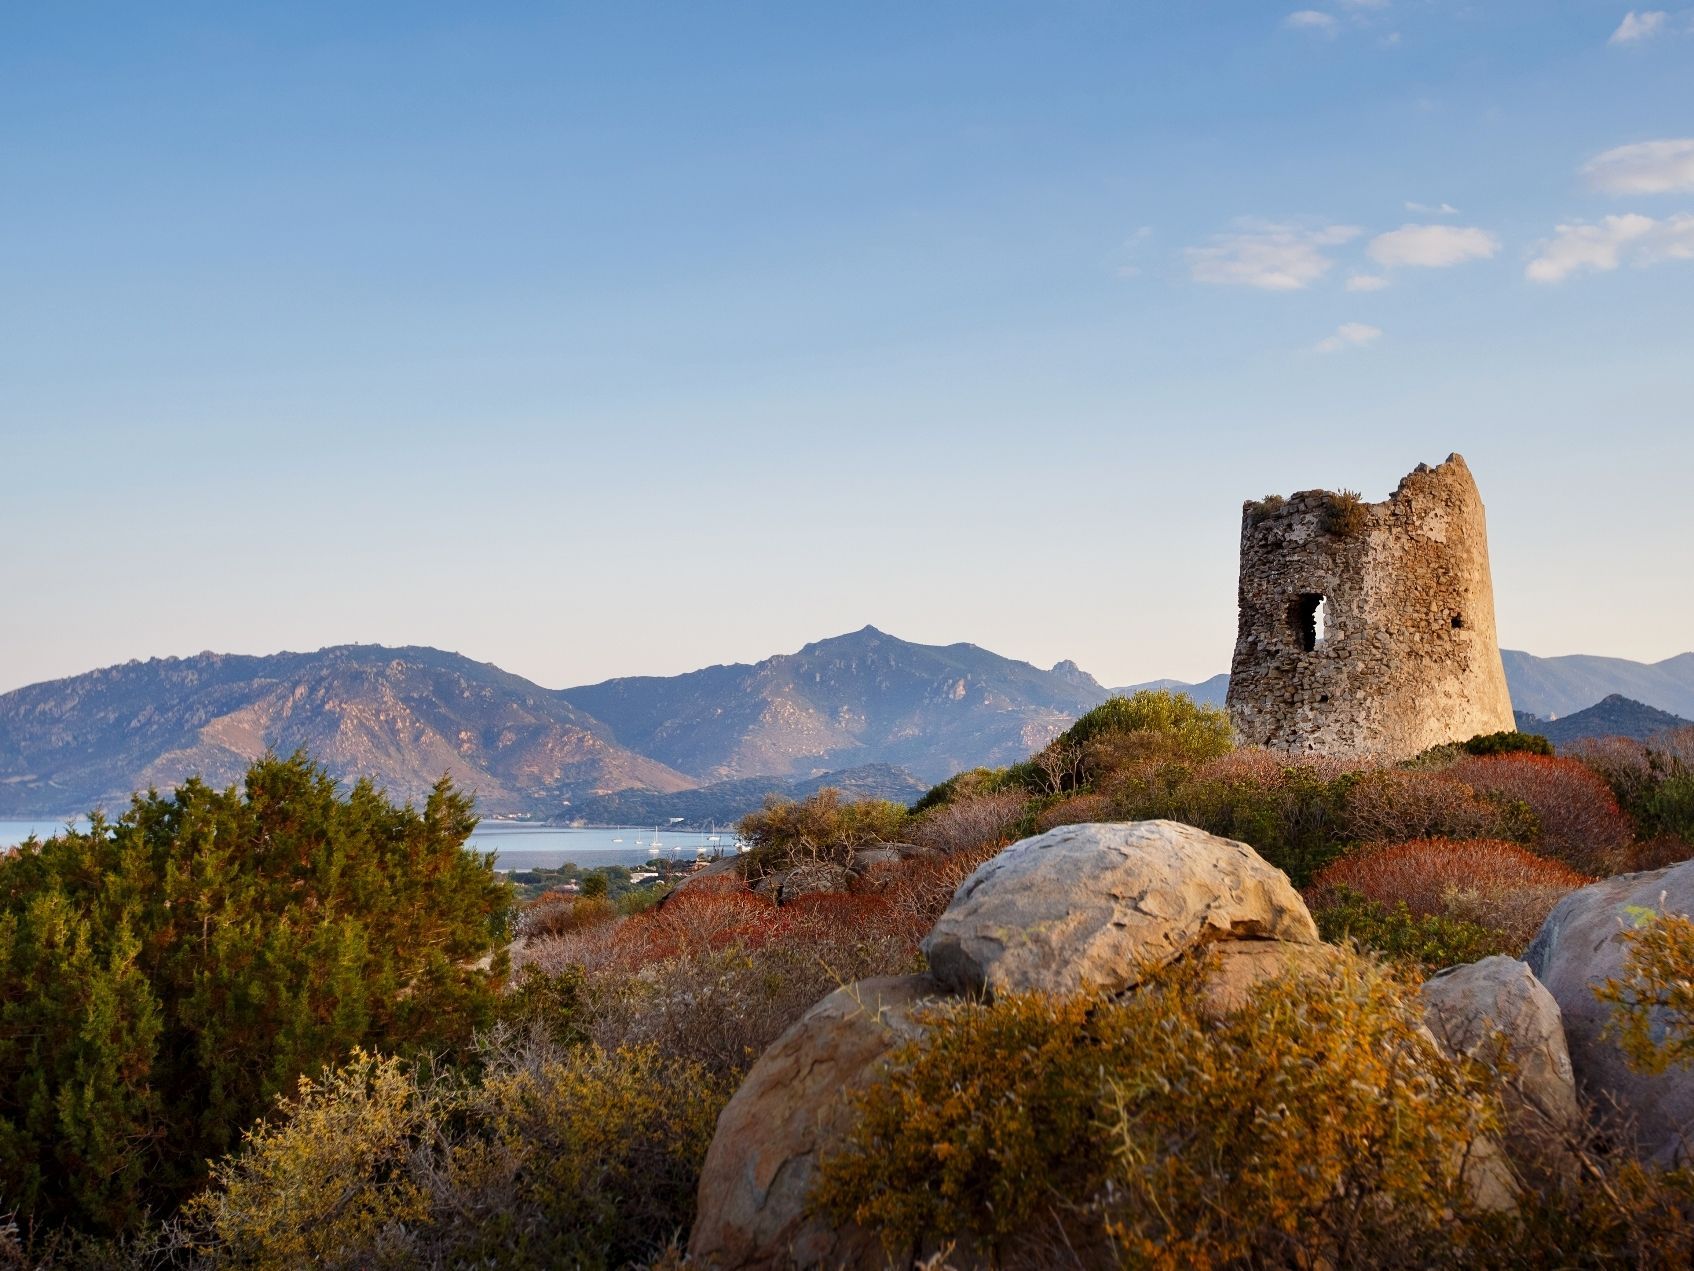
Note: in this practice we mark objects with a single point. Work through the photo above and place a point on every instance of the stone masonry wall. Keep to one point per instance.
(1408, 658)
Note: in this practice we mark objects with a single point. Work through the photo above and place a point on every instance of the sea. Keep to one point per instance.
(518, 846)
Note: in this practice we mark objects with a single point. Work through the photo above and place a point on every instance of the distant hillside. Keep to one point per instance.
(1543, 687)
(1614, 716)
(845, 702)
(400, 717)
(1207, 692)
(725, 801)
(1554, 687)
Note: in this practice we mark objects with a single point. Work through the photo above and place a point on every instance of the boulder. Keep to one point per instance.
(1233, 967)
(1580, 946)
(1496, 1012)
(865, 858)
(791, 1109)
(811, 879)
(1094, 907)
(728, 871)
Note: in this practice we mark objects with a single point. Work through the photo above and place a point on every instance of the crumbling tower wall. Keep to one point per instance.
(1368, 628)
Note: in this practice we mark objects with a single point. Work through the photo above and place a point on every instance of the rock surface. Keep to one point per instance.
(1580, 946)
(764, 1156)
(812, 879)
(1497, 1012)
(1096, 906)
(1234, 967)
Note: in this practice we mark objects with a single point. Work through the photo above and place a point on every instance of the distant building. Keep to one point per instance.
(1368, 628)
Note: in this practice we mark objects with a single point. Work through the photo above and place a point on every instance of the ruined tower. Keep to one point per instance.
(1368, 628)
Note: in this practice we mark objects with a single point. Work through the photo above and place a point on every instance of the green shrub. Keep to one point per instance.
(1258, 511)
(1667, 808)
(1293, 822)
(1507, 743)
(550, 1005)
(821, 827)
(962, 785)
(1316, 1119)
(1429, 941)
(1192, 731)
(166, 975)
(581, 1158)
(642, 899)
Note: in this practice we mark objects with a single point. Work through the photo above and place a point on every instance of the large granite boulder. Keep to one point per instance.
(1496, 1012)
(1094, 907)
(792, 1107)
(1580, 946)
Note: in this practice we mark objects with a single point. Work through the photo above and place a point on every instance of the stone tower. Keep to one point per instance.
(1368, 628)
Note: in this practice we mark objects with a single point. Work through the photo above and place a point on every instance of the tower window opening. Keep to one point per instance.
(1458, 622)
(1307, 619)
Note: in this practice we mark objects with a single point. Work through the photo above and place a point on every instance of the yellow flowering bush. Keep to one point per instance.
(577, 1157)
(1316, 1122)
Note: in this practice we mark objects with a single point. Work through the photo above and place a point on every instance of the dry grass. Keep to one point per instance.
(970, 822)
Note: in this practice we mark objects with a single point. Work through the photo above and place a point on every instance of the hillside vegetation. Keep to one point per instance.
(439, 1122)
(167, 975)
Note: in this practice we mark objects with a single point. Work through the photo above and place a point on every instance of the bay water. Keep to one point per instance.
(519, 846)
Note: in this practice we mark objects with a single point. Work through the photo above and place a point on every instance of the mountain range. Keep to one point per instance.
(877, 713)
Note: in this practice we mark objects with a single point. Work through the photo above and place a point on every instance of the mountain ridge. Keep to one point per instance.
(400, 716)
(403, 716)
(846, 701)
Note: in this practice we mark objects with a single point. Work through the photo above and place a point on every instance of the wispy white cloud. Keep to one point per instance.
(1604, 245)
(1646, 167)
(1637, 27)
(1366, 282)
(1311, 20)
(1126, 266)
(1432, 246)
(1357, 13)
(1431, 209)
(1349, 335)
(1270, 256)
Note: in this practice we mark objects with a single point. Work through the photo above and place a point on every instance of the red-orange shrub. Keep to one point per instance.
(1491, 882)
(697, 920)
(1579, 818)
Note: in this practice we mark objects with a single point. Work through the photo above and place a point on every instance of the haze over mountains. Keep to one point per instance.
(899, 715)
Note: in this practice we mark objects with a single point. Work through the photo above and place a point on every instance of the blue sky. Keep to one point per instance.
(597, 340)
